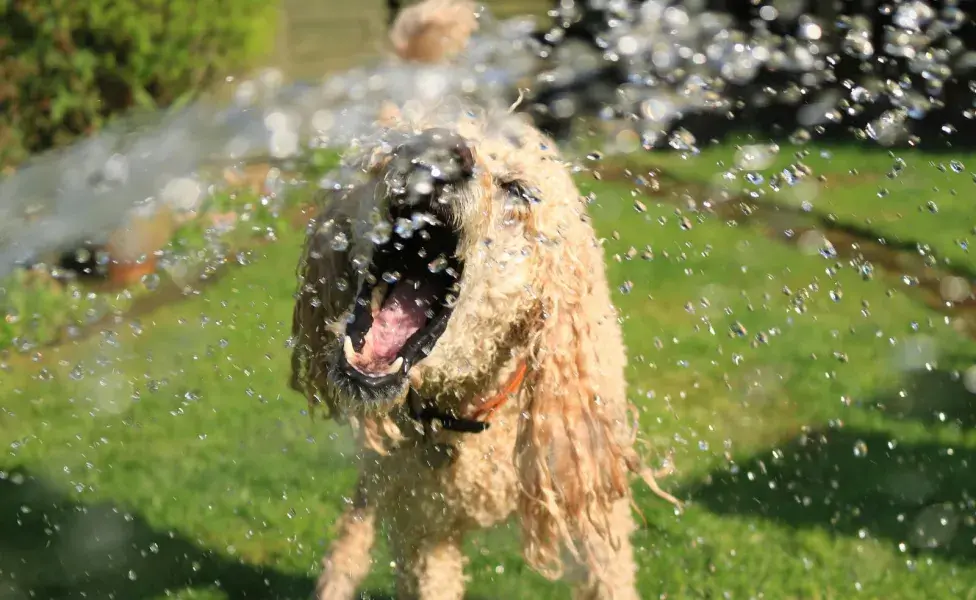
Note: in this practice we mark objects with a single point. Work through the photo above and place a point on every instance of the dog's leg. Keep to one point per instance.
(615, 579)
(348, 561)
(429, 568)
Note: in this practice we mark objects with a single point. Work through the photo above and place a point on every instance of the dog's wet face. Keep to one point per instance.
(408, 290)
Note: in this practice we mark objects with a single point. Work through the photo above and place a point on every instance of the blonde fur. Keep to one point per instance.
(560, 453)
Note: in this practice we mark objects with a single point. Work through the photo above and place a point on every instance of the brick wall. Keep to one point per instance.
(319, 36)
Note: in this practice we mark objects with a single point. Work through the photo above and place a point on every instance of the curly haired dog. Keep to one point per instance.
(454, 309)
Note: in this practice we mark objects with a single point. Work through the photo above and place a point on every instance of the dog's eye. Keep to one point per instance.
(520, 192)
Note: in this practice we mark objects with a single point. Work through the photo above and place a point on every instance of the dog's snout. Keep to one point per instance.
(444, 154)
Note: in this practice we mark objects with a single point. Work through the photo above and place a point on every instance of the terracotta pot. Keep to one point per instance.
(124, 273)
(132, 249)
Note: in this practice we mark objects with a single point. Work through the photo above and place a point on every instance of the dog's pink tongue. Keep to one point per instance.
(402, 315)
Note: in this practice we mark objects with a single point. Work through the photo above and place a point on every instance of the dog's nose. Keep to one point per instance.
(444, 154)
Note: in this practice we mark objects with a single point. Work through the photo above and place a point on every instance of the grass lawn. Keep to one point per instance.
(906, 197)
(819, 419)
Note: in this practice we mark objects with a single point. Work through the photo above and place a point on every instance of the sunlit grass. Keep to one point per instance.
(902, 195)
(814, 431)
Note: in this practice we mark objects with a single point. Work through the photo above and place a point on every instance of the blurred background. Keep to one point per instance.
(785, 189)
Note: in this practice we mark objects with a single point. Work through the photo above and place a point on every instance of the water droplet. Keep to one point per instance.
(437, 265)
(339, 242)
(404, 228)
(151, 281)
(800, 137)
(756, 158)
(381, 232)
(954, 289)
(969, 379)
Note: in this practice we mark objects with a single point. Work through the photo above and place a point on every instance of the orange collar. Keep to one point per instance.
(487, 407)
(427, 413)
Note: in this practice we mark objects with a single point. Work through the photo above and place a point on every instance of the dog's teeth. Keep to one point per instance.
(379, 294)
(395, 366)
(347, 348)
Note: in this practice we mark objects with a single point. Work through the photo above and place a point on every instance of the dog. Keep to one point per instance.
(454, 310)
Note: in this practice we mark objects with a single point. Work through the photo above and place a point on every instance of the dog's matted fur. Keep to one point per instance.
(528, 336)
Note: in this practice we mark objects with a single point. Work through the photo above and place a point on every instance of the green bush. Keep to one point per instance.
(67, 65)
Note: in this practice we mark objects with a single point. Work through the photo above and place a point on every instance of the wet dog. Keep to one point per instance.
(454, 309)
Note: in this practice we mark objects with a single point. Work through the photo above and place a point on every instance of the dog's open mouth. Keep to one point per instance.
(404, 305)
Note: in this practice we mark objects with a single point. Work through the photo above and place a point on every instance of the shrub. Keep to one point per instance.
(67, 65)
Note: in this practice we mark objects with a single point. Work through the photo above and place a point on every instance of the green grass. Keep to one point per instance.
(171, 460)
(904, 196)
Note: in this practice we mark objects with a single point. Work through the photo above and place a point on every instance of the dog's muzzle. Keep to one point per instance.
(413, 280)
(425, 164)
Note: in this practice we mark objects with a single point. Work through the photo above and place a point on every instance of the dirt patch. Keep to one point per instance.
(299, 216)
(948, 290)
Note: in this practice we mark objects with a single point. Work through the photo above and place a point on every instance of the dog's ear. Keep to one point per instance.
(326, 289)
(574, 444)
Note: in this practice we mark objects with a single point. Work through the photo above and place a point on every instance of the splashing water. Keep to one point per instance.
(85, 190)
(675, 60)
(784, 310)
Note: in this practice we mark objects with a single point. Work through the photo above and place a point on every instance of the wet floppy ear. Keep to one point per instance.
(325, 292)
(569, 455)
(520, 199)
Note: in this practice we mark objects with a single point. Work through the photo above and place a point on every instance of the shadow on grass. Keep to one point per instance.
(932, 397)
(856, 483)
(55, 548)
(52, 547)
